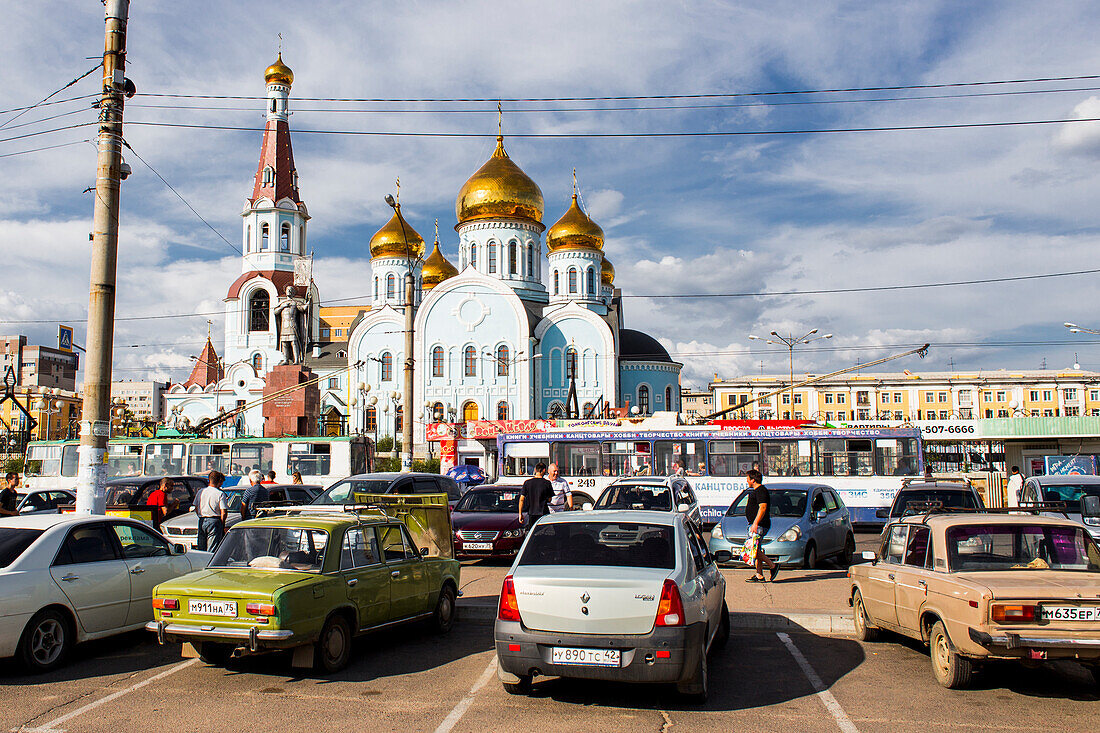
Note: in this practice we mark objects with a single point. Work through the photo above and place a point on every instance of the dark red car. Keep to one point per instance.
(486, 522)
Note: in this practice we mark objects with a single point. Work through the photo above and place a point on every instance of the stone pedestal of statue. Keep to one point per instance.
(296, 412)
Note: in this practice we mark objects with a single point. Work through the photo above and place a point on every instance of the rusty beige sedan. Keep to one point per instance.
(983, 586)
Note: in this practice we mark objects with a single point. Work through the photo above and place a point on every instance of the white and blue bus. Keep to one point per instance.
(865, 466)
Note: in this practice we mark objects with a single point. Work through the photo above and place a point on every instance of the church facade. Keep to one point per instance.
(528, 324)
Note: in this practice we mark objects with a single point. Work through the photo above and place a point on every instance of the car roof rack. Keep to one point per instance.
(922, 480)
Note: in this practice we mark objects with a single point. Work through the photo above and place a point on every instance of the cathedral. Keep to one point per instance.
(527, 324)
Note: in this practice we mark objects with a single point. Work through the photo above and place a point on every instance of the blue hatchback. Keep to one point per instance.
(809, 522)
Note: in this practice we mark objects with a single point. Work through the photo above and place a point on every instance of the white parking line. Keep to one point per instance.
(464, 704)
(51, 727)
(842, 720)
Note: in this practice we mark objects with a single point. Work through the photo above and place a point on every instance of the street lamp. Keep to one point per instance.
(790, 341)
(49, 407)
(407, 453)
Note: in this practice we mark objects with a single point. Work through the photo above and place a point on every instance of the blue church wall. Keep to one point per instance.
(662, 379)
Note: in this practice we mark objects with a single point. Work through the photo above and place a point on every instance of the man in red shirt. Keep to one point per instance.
(158, 498)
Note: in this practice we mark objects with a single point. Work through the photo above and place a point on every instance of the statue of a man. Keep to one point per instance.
(291, 330)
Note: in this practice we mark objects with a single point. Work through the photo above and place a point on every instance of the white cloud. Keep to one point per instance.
(1082, 137)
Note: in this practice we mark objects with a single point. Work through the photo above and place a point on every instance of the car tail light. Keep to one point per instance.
(670, 611)
(509, 605)
(1004, 613)
(166, 604)
(260, 609)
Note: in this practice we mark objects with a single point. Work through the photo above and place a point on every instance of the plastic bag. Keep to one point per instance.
(749, 549)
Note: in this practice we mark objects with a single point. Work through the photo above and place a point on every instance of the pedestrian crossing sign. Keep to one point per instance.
(65, 338)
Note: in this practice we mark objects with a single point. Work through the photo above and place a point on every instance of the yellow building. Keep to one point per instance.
(915, 395)
(57, 412)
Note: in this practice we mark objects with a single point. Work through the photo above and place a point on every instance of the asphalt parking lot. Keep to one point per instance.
(771, 677)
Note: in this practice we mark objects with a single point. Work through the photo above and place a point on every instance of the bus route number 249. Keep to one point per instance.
(585, 483)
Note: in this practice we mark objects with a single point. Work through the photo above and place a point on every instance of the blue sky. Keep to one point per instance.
(688, 214)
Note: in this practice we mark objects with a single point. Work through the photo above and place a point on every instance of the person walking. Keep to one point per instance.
(563, 496)
(9, 497)
(758, 513)
(253, 495)
(212, 509)
(1015, 486)
(535, 497)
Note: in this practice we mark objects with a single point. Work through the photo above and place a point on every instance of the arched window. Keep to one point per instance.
(668, 398)
(301, 238)
(591, 282)
(437, 412)
(556, 410)
(391, 291)
(437, 361)
(502, 410)
(587, 411)
(263, 237)
(555, 282)
(502, 361)
(469, 411)
(492, 257)
(259, 306)
(572, 280)
(470, 361)
(284, 238)
(570, 363)
(643, 399)
(473, 255)
(387, 366)
(530, 260)
(269, 173)
(399, 419)
(272, 105)
(258, 363)
(372, 419)
(513, 260)
(248, 239)
(376, 287)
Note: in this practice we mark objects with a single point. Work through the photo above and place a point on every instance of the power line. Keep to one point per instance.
(47, 147)
(47, 104)
(713, 95)
(47, 97)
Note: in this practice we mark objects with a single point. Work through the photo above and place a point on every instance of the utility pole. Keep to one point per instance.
(95, 425)
(407, 398)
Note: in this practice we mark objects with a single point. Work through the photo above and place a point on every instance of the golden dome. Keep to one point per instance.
(279, 73)
(607, 273)
(574, 230)
(499, 189)
(436, 269)
(389, 241)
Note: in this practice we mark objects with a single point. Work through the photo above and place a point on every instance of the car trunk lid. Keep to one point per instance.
(589, 599)
(1039, 584)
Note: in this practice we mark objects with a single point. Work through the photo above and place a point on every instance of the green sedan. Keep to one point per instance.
(307, 582)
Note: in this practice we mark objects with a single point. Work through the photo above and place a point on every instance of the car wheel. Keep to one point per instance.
(522, 687)
(444, 617)
(723, 635)
(849, 551)
(810, 560)
(695, 689)
(864, 630)
(948, 667)
(214, 653)
(334, 647)
(46, 641)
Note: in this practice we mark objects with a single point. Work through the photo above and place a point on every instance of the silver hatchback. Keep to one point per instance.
(652, 493)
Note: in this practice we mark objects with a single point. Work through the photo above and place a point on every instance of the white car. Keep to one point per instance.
(66, 579)
(651, 493)
(630, 596)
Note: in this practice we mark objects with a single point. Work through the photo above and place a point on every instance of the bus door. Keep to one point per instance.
(577, 459)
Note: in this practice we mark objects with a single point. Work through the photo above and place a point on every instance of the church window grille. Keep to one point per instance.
(372, 419)
(556, 282)
(668, 398)
(469, 411)
(502, 410)
(258, 363)
(513, 260)
(263, 237)
(437, 361)
(259, 306)
(492, 258)
(502, 361)
(387, 366)
(473, 256)
(530, 261)
(572, 280)
(643, 399)
(591, 282)
(284, 238)
(470, 360)
(570, 363)
(390, 287)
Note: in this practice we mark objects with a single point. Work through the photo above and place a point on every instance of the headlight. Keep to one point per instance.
(791, 534)
(717, 531)
(510, 533)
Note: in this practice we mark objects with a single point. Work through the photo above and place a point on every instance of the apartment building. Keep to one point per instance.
(696, 402)
(144, 399)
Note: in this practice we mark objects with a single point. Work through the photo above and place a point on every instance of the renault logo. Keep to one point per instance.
(585, 598)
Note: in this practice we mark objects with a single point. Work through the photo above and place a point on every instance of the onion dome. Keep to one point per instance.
(279, 73)
(574, 230)
(436, 269)
(607, 273)
(389, 241)
(499, 189)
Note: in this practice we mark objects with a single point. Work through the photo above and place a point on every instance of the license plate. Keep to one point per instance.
(585, 657)
(1069, 613)
(477, 546)
(212, 608)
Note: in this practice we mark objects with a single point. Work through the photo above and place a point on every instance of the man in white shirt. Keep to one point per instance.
(212, 509)
(1015, 486)
(563, 497)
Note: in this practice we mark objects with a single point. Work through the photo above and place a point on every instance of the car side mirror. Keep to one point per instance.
(821, 514)
(1090, 505)
(587, 506)
(882, 514)
(682, 507)
(423, 551)
(178, 549)
(723, 556)
(869, 556)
